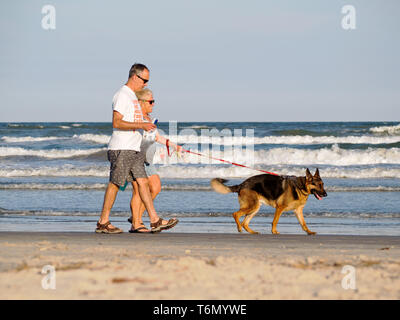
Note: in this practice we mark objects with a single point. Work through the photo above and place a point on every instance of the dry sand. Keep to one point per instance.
(198, 266)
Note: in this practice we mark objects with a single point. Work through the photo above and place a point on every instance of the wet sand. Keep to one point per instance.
(199, 266)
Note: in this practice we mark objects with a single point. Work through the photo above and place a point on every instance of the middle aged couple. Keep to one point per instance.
(130, 155)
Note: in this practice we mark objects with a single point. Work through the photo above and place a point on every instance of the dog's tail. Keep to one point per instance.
(218, 185)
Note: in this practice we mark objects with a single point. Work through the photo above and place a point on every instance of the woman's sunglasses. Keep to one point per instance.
(149, 101)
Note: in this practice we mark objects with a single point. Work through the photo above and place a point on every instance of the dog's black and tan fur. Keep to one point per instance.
(284, 193)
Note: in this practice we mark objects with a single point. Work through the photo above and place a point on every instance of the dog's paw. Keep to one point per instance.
(275, 232)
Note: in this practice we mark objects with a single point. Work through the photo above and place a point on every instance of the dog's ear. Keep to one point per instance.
(308, 175)
(316, 174)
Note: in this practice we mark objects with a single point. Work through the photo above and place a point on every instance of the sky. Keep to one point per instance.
(284, 60)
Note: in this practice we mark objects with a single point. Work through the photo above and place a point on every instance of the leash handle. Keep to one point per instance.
(167, 144)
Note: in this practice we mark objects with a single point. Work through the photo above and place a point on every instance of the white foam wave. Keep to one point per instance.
(394, 130)
(52, 186)
(330, 156)
(98, 138)
(171, 187)
(319, 214)
(290, 140)
(294, 140)
(305, 140)
(198, 127)
(283, 156)
(287, 156)
(51, 154)
(193, 139)
(63, 171)
(362, 189)
(18, 125)
(29, 139)
(236, 172)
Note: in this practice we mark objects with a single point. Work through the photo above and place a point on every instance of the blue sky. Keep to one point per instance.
(209, 60)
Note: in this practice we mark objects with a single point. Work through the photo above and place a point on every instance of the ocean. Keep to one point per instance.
(53, 175)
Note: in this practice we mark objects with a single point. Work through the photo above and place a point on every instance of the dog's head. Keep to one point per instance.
(315, 185)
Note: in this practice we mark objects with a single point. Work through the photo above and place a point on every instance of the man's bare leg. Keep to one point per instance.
(136, 204)
(109, 199)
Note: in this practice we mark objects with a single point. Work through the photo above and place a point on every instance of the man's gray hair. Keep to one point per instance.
(143, 93)
(137, 69)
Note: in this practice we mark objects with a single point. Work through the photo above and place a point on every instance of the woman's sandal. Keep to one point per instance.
(158, 226)
(107, 228)
(140, 228)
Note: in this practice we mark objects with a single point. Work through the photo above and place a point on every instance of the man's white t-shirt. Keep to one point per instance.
(127, 104)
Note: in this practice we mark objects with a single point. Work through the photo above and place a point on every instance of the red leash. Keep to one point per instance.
(226, 161)
(222, 160)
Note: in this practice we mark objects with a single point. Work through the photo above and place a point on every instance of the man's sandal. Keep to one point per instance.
(107, 228)
(158, 226)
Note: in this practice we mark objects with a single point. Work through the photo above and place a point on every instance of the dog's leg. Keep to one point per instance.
(277, 215)
(248, 201)
(247, 219)
(300, 217)
(237, 215)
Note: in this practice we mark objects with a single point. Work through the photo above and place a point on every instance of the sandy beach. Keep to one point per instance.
(198, 266)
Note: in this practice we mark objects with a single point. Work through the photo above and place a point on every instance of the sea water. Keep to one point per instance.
(53, 175)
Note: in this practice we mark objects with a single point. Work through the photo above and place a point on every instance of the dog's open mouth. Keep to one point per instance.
(315, 193)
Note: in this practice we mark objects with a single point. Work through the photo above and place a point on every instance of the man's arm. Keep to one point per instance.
(120, 124)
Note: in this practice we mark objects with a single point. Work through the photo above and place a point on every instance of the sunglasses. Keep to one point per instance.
(149, 101)
(144, 80)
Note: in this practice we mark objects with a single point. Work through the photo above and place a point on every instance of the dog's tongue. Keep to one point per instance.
(318, 197)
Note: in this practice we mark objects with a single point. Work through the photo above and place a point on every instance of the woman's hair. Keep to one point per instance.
(142, 93)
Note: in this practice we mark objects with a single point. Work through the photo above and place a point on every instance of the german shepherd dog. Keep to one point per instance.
(284, 193)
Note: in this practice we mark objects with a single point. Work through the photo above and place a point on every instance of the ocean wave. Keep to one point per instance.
(63, 171)
(329, 156)
(239, 140)
(290, 140)
(25, 125)
(228, 141)
(171, 187)
(98, 138)
(309, 140)
(183, 214)
(392, 130)
(182, 172)
(51, 153)
(29, 139)
(197, 127)
(52, 186)
(179, 171)
(286, 156)
(362, 189)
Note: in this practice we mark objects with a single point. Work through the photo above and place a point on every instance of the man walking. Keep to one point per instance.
(127, 162)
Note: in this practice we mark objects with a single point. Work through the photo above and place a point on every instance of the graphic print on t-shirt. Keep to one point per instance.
(137, 115)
